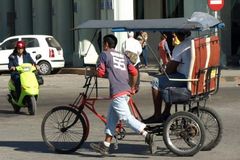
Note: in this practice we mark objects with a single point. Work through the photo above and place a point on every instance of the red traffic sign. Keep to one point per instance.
(215, 5)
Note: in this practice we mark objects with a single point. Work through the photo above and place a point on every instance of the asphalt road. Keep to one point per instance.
(20, 134)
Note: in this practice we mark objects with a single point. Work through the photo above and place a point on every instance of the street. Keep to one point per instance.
(20, 134)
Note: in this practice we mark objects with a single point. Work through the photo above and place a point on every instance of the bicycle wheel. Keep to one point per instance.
(63, 129)
(213, 126)
(184, 134)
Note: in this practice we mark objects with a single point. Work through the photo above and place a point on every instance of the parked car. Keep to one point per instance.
(47, 46)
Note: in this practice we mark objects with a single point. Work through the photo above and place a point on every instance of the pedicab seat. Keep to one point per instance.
(204, 73)
(204, 66)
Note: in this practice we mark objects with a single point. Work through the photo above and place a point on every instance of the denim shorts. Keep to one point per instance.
(161, 81)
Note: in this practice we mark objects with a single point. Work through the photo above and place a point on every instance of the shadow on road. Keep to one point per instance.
(126, 151)
(26, 146)
(11, 113)
(135, 150)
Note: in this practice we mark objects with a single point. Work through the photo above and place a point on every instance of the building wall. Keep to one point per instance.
(153, 9)
(225, 36)
(7, 18)
(52, 17)
(41, 15)
(57, 18)
(62, 25)
(23, 21)
(83, 11)
(122, 12)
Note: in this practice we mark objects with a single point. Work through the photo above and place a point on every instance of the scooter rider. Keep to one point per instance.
(18, 57)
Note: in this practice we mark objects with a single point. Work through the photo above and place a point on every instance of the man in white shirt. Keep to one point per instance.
(133, 45)
(177, 67)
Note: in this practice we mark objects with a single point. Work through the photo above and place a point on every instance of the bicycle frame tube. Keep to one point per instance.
(85, 100)
(135, 111)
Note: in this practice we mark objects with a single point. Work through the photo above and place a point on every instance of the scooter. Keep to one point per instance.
(29, 89)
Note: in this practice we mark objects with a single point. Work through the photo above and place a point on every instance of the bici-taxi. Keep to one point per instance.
(192, 126)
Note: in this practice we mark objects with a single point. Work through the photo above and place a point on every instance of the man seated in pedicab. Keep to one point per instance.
(177, 67)
(18, 57)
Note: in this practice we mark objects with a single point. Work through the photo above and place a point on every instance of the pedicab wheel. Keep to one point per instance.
(213, 126)
(63, 129)
(184, 134)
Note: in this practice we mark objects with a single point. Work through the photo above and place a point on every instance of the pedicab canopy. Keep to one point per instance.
(198, 21)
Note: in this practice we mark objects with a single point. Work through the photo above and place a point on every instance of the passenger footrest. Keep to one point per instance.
(156, 129)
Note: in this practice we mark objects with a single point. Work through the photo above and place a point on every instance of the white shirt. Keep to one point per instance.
(182, 53)
(20, 60)
(132, 45)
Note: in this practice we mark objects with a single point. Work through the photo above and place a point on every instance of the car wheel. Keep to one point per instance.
(45, 68)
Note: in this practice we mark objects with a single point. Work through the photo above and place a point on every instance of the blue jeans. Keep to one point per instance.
(145, 56)
(119, 110)
(17, 83)
(160, 82)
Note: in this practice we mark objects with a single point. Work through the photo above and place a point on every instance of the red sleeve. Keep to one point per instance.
(132, 70)
(101, 70)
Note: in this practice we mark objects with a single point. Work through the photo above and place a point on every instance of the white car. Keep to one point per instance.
(47, 46)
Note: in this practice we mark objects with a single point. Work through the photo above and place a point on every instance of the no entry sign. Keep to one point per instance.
(216, 5)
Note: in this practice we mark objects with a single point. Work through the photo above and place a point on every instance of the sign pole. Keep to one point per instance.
(216, 16)
(216, 5)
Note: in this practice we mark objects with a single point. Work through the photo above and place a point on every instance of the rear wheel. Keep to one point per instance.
(32, 105)
(45, 68)
(213, 126)
(184, 134)
(63, 129)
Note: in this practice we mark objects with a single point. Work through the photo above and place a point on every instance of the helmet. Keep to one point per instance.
(20, 44)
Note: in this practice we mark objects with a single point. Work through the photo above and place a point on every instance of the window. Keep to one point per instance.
(10, 44)
(53, 43)
(31, 42)
(173, 9)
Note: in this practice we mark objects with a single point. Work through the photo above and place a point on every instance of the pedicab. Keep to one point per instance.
(191, 127)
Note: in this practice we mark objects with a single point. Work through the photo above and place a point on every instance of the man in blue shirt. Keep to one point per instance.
(117, 67)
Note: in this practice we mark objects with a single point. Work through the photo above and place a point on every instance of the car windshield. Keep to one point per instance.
(52, 42)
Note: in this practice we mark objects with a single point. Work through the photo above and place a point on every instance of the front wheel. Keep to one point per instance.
(184, 134)
(63, 129)
(32, 105)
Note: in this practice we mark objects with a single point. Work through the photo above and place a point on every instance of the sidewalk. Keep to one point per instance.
(230, 75)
